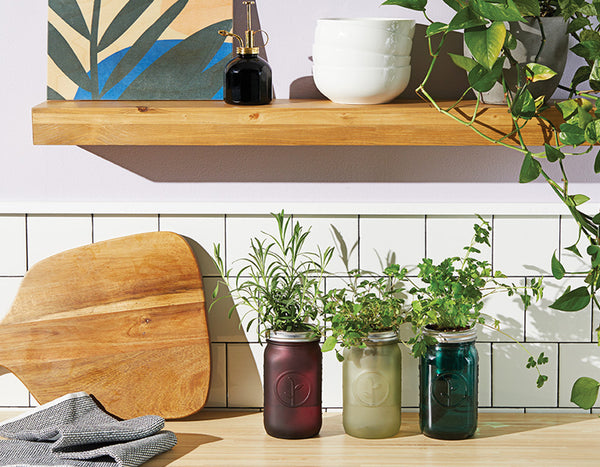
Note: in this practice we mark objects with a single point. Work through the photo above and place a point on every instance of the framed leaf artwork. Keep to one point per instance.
(137, 49)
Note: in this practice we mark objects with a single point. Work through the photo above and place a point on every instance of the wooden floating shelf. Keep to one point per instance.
(283, 123)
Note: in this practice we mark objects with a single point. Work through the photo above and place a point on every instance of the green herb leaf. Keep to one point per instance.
(329, 344)
(572, 300)
(530, 170)
(558, 270)
(541, 380)
(542, 359)
(486, 44)
(585, 392)
(573, 249)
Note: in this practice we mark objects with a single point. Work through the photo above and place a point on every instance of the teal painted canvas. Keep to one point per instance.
(137, 49)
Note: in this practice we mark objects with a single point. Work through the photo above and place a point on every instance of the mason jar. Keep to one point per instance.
(449, 373)
(372, 385)
(292, 385)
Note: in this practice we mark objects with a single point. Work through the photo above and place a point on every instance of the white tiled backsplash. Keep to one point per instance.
(519, 251)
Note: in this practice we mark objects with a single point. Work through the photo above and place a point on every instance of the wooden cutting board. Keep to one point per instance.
(123, 320)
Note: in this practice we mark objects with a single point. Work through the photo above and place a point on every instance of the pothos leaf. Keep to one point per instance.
(572, 300)
(486, 44)
(539, 72)
(418, 5)
(553, 154)
(530, 169)
(585, 392)
(466, 63)
(558, 270)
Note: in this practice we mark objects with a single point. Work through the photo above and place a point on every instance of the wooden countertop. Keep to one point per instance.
(212, 438)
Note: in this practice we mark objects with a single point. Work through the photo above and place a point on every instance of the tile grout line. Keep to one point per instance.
(93, 227)
(425, 233)
(491, 374)
(558, 374)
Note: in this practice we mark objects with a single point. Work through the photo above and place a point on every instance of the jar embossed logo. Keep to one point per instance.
(371, 388)
(450, 389)
(292, 389)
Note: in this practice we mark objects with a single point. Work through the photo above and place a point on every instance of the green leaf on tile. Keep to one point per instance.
(585, 392)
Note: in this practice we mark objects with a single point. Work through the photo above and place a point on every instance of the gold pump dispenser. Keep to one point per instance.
(247, 47)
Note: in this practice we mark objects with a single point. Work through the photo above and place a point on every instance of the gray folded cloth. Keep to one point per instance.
(74, 431)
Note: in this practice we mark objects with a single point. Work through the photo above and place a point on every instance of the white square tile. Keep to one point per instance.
(332, 380)
(13, 393)
(217, 393)
(448, 235)
(107, 227)
(245, 375)
(569, 233)
(577, 360)
(205, 230)
(485, 374)
(12, 245)
(544, 324)
(524, 245)
(321, 235)
(514, 385)
(220, 326)
(239, 232)
(387, 240)
(51, 234)
(410, 379)
(9, 287)
(509, 311)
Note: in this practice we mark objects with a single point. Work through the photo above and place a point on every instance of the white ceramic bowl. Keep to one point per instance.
(334, 56)
(360, 34)
(356, 85)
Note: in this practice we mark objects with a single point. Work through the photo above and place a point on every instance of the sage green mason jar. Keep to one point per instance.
(372, 382)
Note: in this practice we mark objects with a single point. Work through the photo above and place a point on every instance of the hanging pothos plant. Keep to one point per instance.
(491, 45)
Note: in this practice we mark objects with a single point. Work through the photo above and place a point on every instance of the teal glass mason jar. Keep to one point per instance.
(449, 373)
(372, 385)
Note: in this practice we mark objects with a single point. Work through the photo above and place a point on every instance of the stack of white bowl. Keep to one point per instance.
(362, 60)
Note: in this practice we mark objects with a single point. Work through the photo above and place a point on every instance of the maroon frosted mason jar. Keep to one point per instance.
(292, 385)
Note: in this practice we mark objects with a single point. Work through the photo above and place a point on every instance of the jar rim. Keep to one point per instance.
(382, 336)
(452, 337)
(292, 336)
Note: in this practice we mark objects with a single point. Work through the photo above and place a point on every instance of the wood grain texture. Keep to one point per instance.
(238, 439)
(123, 320)
(283, 123)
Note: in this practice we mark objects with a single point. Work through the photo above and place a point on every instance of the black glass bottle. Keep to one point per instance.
(248, 79)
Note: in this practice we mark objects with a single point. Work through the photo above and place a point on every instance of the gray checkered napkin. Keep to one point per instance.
(74, 431)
